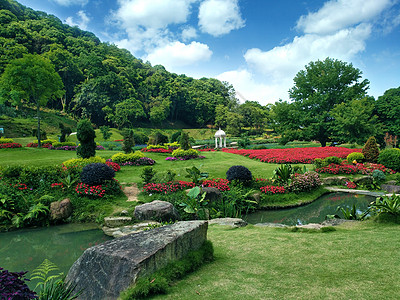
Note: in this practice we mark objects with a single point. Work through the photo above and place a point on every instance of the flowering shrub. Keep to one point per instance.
(67, 148)
(157, 150)
(85, 189)
(271, 189)
(143, 161)
(10, 145)
(304, 182)
(293, 155)
(219, 183)
(116, 167)
(350, 185)
(168, 187)
(100, 147)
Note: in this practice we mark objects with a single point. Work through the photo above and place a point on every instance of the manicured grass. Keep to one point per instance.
(357, 261)
(215, 163)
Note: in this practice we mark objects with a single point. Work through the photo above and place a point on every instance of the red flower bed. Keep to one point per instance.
(157, 150)
(85, 189)
(219, 183)
(271, 189)
(293, 155)
(345, 168)
(35, 145)
(10, 145)
(116, 167)
(206, 150)
(168, 187)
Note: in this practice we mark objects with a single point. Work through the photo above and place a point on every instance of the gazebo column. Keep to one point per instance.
(216, 142)
(220, 142)
(224, 141)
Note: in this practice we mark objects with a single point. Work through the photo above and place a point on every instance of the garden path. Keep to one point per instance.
(131, 192)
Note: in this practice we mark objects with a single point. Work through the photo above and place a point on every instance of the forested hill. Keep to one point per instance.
(105, 83)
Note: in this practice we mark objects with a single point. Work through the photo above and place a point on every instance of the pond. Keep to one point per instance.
(24, 250)
(314, 212)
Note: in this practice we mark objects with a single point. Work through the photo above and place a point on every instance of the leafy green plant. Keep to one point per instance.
(196, 205)
(378, 176)
(68, 181)
(386, 205)
(283, 173)
(148, 174)
(86, 135)
(236, 201)
(390, 158)
(37, 213)
(195, 174)
(352, 213)
(355, 156)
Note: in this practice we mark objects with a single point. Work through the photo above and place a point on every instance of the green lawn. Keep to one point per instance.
(358, 261)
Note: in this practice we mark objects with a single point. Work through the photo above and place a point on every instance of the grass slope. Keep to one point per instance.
(358, 261)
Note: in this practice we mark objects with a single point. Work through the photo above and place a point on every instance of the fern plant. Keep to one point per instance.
(42, 273)
(36, 213)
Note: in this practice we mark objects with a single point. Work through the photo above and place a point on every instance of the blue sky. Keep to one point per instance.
(256, 45)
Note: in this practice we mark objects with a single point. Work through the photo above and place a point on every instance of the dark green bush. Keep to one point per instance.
(140, 138)
(96, 173)
(184, 141)
(157, 138)
(378, 176)
(129, 141)
(332, 160)
(390, 158)
(175, 136)
(370, 150)
(240, 174)
(86, 135)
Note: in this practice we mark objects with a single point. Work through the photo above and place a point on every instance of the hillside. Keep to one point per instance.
(106, 84)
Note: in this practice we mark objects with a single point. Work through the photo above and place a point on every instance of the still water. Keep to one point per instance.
(24, 250)
(314, 212)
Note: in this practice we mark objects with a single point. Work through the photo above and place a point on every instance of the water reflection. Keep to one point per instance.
(24, 250)
(314, 212)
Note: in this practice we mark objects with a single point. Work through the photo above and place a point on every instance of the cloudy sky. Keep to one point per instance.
(256, 45)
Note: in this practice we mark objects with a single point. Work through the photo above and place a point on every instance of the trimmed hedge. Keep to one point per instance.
(120, 158)
(81, 162)
(390, 158)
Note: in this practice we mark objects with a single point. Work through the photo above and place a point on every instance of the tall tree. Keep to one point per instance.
(316, 91)
(388, 110)
(31, 79)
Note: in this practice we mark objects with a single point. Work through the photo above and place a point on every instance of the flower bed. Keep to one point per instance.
(271, 189)
(187, 157)
(168, 187)
(68, 148)
(143, 161)
(10, 145)
(293, 155)
(157, 150)
(219, 183)
(345, 168)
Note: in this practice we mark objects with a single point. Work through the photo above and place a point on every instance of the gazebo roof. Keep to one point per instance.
(220, 133)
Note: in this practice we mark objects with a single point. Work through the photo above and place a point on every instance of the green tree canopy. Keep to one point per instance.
(316, 91)
(30, 79)
(388, 109)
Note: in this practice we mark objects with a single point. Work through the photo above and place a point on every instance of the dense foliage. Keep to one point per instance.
(13, 286)
(99, 75)
(86, 135)
(240, 174)
(390, 158)
(370, 150)
(96, 173)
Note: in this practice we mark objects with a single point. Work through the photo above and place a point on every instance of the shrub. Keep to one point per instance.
(319, 163)
(116, 167)
(378, 176)
(62, 144)
(10, 146)
(390, 158)
(181, 152)
(184, 141)
(175, 136)
(96, 173)
(86, 135)
(240, 174)
(120, 158)
(81, 162)
(140, 138)
(332, 160)
(355, 156)
(105, 131)
(158, 138)
(6, 141)
(157, 147)
(128, 142)
(305, 182)
(147, 174)
(13, 286)
(370, 150)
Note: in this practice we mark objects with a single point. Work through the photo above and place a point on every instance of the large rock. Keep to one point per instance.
(60, 210)
(117, 232)
(103, 271)
(156, 210)
(212, 193)
(337, 180)
(234, 222)
(390, 188)
(364, 180)
(117, 221)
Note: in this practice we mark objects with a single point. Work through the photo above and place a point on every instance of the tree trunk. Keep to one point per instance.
(38, 126)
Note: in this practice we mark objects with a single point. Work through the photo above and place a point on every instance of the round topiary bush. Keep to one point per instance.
(355, 156)
(240, 174)
(96, 173)
(390, 158)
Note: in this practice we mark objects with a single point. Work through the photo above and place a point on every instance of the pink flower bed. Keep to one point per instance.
(157, 150)
(293, 155)
(345, 168)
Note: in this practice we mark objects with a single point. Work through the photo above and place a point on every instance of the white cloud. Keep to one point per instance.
(287, 60)
(248, 88)
(219, 17)
(82, 22)
(189, 33)
(338, 14)
(71, 2)
(177, 54)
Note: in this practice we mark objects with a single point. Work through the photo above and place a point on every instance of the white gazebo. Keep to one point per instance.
(219, 135)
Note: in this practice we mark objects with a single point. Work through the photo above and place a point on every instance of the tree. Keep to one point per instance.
(86, 136)
(388, 110)
(184, 141)
(129, 141)
(30, 79)
(354, 122)
(105, 131)
(316, 91)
